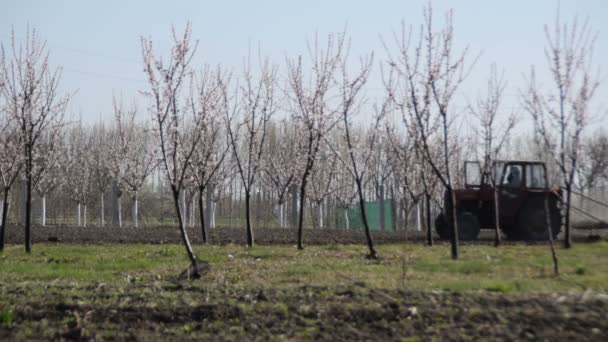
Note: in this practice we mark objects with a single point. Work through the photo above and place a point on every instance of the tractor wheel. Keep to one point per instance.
(531, 223)
(442, 227)
(468, 226)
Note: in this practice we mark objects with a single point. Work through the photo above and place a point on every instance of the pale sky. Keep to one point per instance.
(97, 42)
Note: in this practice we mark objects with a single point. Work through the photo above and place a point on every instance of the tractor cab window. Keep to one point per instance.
(535, 176)
(472, 174)
(513, 176)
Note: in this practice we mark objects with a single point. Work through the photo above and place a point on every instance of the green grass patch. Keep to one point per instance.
(507, 269)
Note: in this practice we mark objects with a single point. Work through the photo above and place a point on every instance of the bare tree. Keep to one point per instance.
(31, 90)
(212, 148)
(323, 182)
(282, 164)
(428, 74)
(11, 161)
(248, 136)
(561, 115)
(360, 151)
(78, 173)
(311, 106)
(49, 167)
(133, 155)
(494, 134)
(175, 138)
(100, 161)
(593, 166)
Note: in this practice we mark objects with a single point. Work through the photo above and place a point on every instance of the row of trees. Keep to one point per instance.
(209, 124)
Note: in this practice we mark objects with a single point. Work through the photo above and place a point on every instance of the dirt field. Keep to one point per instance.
(223, 236)
(327, 292)
(183, 311)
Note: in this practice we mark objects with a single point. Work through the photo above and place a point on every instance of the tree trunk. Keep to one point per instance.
(184, 234)
(321, 215)
(116, 210)
(551, 244)
(101, 211)
(43, 210)
(454, 242)
(496, 217)
(381, 206)
(346, 219)
(209, 206)
(135, 211)
(212, 223)
(567, 237)
(28, 209)
(78, 208)
(202, 213)
(4, 217)
(294, 206)
(85, 215)
(368, 235)
(248, 218)
(418, 218)
(429, 228)
(301, 214)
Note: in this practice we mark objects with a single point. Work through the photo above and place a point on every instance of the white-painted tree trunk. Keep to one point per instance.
(346, 220)
(85, 215)
(192, 210)
(135, 211)
(101, 211)
(321, 215)
(78, 214)
(42, 210)
(418, 219)
(208, 208)
(1, 207)
(183, 212)
(119, 208)
(212, 215)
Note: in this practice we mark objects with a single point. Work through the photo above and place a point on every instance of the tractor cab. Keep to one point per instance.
(517, 189)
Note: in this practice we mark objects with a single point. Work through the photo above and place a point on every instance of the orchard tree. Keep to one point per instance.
(322, 182)
(212, 148)
(78, 173)
(427, 73)
(282, 164)
(49, 168)
(134, 154)
(593, 167)
(11, 159)
(31, 92)
(311, 106)
(249, 132)
(561, 114)
(362, 148)
(494, 134)
(175, 138)
(100, 162)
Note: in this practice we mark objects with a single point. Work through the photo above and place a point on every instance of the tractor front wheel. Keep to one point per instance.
(468, 226)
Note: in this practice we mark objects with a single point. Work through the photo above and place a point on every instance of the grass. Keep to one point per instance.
(507, 269)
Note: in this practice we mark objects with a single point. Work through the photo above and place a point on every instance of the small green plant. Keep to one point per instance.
(580, 270)
(499, 287)
(6, 317)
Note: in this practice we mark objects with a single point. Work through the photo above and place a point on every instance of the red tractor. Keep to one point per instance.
(521, 191)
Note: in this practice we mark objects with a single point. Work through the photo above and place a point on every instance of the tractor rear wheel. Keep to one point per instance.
(532, 224)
